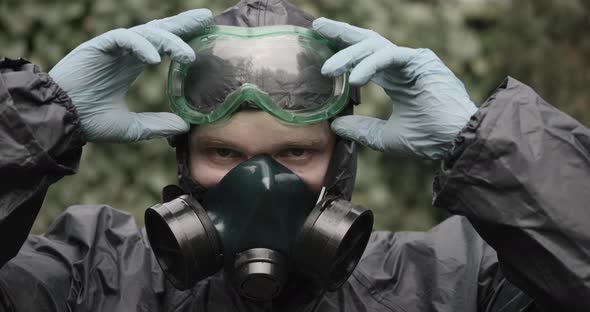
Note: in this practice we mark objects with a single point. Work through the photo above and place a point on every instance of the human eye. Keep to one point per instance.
(225, 152)
(224, 155)
(295, 153)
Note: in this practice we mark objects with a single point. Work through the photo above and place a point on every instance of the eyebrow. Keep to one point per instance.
(214, 141)
(306, 143)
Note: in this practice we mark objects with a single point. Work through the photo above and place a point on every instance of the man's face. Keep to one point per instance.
(217, 148)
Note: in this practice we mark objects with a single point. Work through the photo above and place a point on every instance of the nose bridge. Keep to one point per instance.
(255, 132)
(251, 96)
(267, 177)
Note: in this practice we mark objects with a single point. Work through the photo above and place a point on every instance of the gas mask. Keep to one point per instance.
(261, 224)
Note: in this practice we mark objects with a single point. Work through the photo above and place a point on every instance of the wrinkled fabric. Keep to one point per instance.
(518, 173)
(95, 258)
(40, 142)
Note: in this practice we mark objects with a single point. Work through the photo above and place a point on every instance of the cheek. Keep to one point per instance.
(204, 173)
(313, 173)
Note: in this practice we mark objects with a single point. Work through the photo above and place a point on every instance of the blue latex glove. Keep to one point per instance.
(97, 75)
(431, 104)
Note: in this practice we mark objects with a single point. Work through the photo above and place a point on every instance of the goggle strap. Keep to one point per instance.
(354, 94)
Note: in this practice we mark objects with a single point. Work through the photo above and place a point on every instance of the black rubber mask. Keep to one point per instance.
(260, 223)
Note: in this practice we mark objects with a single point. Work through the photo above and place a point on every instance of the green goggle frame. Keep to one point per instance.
(333, 91)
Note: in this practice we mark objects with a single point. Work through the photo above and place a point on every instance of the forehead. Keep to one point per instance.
(258, 128)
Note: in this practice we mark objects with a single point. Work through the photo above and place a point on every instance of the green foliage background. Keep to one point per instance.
(543, 43)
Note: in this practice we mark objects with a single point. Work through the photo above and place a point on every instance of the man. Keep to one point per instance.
(516, 169)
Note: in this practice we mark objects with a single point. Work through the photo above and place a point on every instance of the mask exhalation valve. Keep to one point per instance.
(260, 273)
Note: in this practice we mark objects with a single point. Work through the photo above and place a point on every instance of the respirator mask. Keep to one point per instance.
(260, 224)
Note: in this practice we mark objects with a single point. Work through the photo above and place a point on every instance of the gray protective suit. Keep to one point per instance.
(518, 179)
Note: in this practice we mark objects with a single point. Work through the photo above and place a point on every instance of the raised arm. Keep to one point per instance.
(519, 169)
(45, 118)
(44, 121)
(40, 142)
(520, 172)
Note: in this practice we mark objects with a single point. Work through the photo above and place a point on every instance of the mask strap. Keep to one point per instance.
(322, 195)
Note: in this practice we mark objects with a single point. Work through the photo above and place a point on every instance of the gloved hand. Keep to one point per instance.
(97, 75)
(431, 104)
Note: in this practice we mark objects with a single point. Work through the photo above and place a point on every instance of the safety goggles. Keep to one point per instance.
(275, 68)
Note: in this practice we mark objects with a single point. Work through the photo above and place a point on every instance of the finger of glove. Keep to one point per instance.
(387, 57)
(184, 23)
(340, 32)
(168, 43)
(362, 129)
(143, 126)
(125, 40)
(345, 59)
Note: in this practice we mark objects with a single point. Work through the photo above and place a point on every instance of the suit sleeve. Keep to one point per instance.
(92, 258)
(40, 142)
(520, 172)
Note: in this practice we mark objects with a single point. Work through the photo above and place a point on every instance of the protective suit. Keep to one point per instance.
(517, 176)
